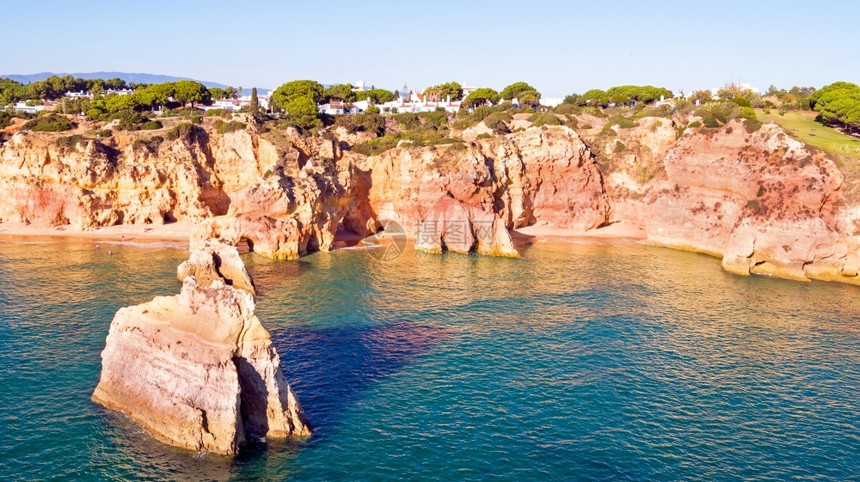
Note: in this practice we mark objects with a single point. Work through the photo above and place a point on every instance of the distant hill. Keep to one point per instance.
(140, 78)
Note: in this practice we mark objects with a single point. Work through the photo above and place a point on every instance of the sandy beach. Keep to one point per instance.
(138, 233)
(178, 233)
(616, 231)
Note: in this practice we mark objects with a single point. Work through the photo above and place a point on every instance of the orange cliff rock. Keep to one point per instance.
(761, 201)
(198, 370)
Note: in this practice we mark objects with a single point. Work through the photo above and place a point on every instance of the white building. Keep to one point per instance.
(551, 101)
(29, 109)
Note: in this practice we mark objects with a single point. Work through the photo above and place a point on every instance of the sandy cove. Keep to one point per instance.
(139, 233)
(179, 233)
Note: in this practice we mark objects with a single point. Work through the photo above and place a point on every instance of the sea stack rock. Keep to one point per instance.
(213, 259)
(198, 370)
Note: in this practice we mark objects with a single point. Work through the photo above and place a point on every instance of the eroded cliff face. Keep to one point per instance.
(95, 183)
(198, 370)
(466, 198)
(761, 201)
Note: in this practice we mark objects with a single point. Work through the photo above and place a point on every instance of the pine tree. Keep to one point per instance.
(255, 104)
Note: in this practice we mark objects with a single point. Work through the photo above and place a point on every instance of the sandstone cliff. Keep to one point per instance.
(198, 370)
(761, 201)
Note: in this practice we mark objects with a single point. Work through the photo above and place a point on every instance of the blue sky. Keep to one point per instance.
(560, 47)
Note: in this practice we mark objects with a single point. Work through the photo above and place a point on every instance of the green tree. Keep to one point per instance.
(255, 103)
(117, 103)
(216, 93)
(838, 103)
(155, 94)
(480, 97)
(626, 94)
(291, 91)
(230, 93)
(571, 99)
(115, 83)
(443, 91)
(594, 97)
(376, 96)
(517, 90)
(303, 111)
(189, 91)
(339, 92)
(701, 96)
(11, 91)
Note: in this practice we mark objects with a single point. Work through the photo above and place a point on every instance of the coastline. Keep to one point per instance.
(178, 233)
(173, 233)
(616, 232)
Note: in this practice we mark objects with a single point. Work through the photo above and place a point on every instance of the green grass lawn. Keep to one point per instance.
(802, 125)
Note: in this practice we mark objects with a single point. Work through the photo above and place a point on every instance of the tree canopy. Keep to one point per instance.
(11, 91)
(443, 91)
(594, 97)
(255, 102)
(302, 111)
(626, 94)
(217, 93)
(291, 91)
(339, 92)
(377, 96)
(838, 103)
(522, 91)
(481, 96)
(189, 91)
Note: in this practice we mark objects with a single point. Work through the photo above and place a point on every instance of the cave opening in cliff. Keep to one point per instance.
(245, 246)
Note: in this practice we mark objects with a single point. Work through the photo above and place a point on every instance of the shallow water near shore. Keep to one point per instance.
(581, 361)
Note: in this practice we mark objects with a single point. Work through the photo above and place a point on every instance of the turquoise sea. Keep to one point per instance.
(577, 361)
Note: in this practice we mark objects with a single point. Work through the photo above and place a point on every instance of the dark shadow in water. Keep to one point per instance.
(332, 368)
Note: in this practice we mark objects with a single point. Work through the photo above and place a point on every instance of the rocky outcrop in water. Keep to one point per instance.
(198, 370)
(214, 260)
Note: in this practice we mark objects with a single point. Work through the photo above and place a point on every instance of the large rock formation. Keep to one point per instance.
(761, 201)
(540, 176)
(215, 260)
(198, 370)
(288, 216)
(93, 183)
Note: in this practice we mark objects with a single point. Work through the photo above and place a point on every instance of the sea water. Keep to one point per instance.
(578, 361)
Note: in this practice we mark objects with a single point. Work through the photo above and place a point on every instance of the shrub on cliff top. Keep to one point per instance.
(227, 127)
(752, 125)
(100, 133)
(408, 120)
(130, 121)
(617, 120)
(69, 142)
(151, 125)
(544, 119)
(497, 124)
(184, 130)
(376, 146)
(150, 144)
(50, 123)
(370, 122)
